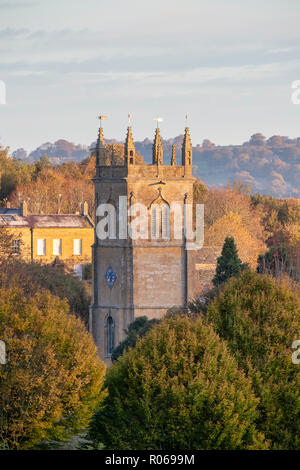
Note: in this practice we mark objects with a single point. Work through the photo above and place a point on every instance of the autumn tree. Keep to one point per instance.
(12, 173)
(51, 383)
(231, 225)
(224, 202)
(200, 192)
(257, 139)
(178, 389)
(260, 319)
(277, 214)
(6, 243)
(281, 220)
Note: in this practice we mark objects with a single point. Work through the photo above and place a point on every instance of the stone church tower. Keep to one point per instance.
(132, 278)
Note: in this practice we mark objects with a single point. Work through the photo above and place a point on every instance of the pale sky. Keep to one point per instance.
(229, 64)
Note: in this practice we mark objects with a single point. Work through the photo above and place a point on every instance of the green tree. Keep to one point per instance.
(260, 318)
(228, 264)
(58, 280)
(52, 381)
(178, 389)
(137, 329)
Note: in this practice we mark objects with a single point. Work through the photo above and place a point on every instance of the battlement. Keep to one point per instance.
(143, 171)
(108, 167)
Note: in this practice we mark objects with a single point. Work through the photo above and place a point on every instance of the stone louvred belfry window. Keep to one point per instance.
(165, 221)
(154, 225)
(160, 221)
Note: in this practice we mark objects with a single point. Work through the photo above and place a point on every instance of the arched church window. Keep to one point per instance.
(109, 335)
(131, 153)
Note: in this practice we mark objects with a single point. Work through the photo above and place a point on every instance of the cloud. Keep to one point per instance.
(12, 5)
(281, 50)
(13, 33)
(165, 72)
(218, 59)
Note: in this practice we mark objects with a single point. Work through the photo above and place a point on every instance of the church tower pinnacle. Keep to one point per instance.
(100, 146)
(157, 149)
(173, 159)
(187, 149)
(129, 148)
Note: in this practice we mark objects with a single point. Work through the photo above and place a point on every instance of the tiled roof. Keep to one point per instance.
(46, 221)
(13, 220)
(8, 210)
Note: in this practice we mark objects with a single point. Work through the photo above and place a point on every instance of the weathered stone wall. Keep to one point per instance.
(205, 267)
(158, 279)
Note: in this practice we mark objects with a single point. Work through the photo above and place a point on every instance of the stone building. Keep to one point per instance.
(146, 276)
(44, 238)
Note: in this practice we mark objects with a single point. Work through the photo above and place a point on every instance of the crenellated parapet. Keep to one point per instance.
(109, 167)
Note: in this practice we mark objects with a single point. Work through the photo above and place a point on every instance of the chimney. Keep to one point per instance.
(84, 208)
(24, 209)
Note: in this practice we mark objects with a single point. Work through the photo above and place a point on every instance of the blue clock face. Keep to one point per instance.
(110, 277)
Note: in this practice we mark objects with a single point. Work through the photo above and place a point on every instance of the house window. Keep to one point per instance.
(77, 246)
(57, 246)
(16, 247)
(41, 246)
(78, 270)
(109, 332)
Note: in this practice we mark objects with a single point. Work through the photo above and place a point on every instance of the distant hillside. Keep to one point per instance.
(60, 151)
(270, 166)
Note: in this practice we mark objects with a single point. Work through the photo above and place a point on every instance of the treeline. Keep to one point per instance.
(270, 166)
(49, 188)
(220, 374)
(216, 375)
(264, 227)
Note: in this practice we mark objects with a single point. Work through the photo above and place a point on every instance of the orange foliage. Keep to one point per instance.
(249, 247)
